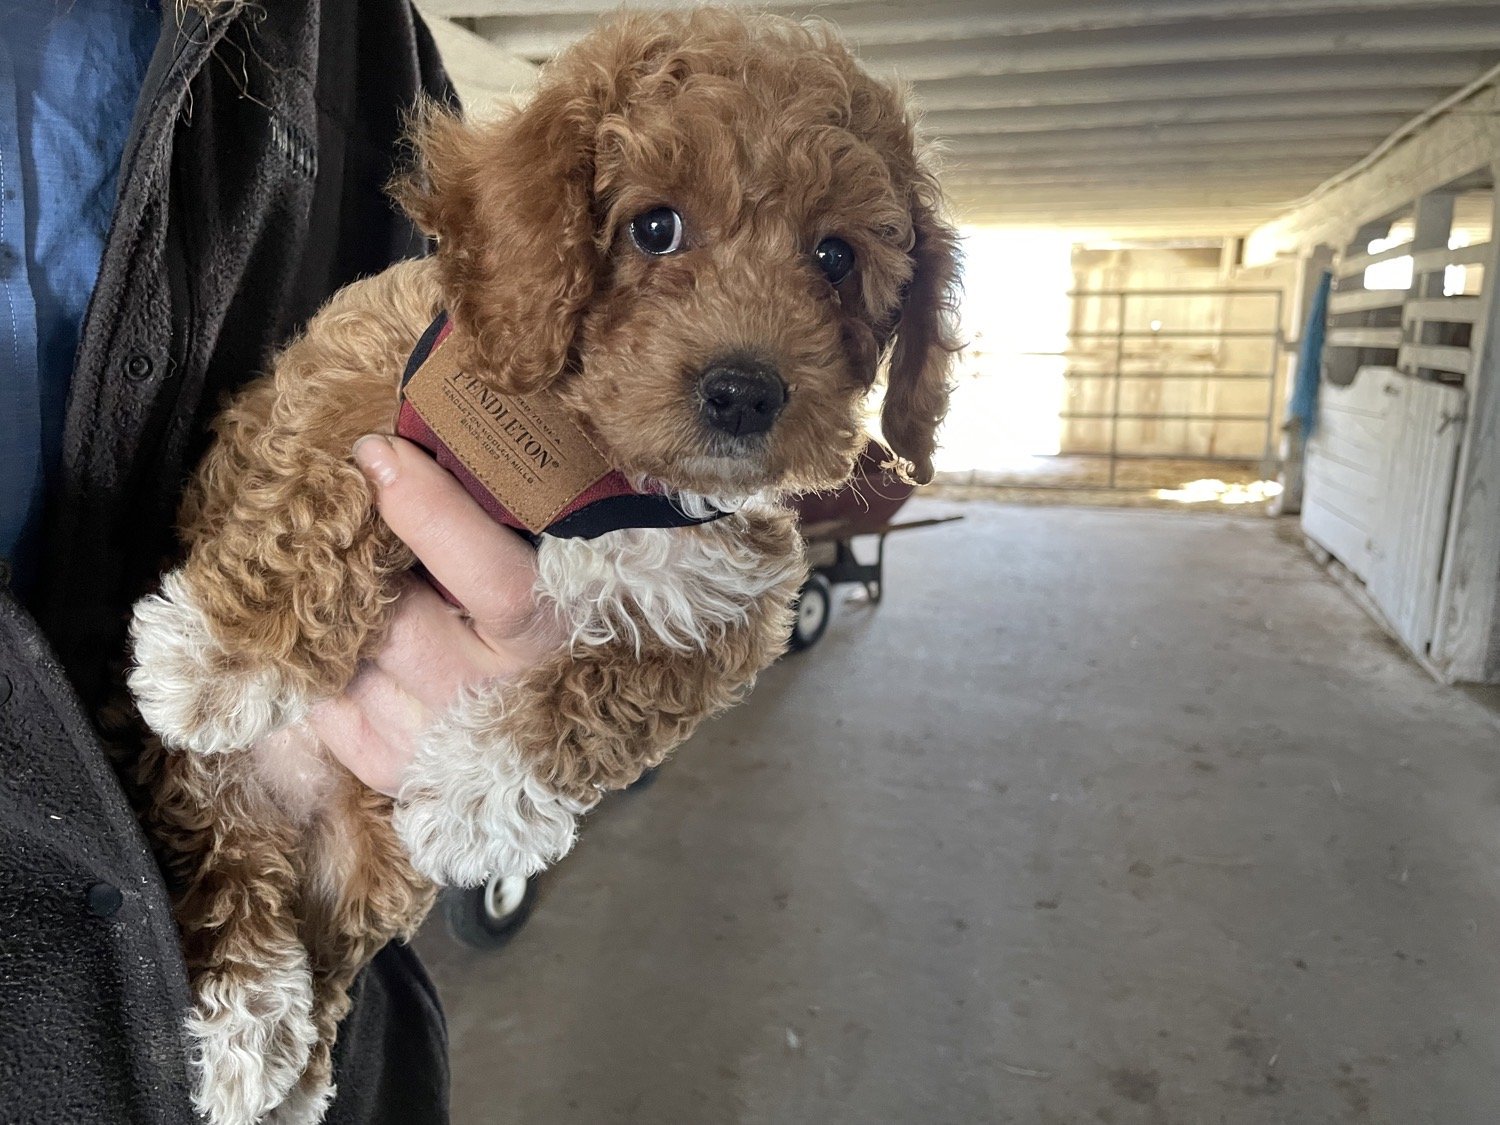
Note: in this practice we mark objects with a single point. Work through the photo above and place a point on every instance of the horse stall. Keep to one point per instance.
(1400, 466)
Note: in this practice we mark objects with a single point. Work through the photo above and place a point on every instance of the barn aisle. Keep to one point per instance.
(1104, 816)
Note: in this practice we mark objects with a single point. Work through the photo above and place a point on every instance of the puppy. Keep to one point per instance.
(702, 237)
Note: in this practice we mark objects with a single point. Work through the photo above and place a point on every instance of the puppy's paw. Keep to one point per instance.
(251, 1032)
(305, 1105)
(470, 807)
(192, 692)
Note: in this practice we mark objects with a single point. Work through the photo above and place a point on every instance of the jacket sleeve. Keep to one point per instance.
(249, 193)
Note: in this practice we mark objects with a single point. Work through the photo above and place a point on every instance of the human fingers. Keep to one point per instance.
(431, 650)
(490, 569)
(372, 728)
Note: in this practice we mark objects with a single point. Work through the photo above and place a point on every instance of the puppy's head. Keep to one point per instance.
(706, 232)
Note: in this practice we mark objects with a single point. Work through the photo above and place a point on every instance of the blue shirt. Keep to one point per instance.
(70, 74)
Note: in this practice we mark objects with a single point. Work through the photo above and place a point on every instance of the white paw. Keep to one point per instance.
(303, 1106)
(188, 689)
(469, 808)
(251, 1037)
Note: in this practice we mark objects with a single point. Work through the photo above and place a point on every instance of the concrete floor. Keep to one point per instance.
(1104, 816)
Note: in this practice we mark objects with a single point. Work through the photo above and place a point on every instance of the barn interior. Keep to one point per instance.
(1158, 786)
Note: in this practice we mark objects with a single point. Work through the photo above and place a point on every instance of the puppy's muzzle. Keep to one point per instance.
(741, 397)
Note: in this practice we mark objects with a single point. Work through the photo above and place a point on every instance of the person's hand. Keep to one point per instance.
(433, 649)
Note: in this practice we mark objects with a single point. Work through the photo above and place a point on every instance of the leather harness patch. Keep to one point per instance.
(522, 457)
(525, 449)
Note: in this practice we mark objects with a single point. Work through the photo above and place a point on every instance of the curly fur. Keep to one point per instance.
(683, 589)
(767, 137)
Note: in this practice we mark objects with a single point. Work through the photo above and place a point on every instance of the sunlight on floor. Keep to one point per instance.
(1218, 492)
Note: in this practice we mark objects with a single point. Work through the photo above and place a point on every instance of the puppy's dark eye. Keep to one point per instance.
(835, 258)
(657, 231)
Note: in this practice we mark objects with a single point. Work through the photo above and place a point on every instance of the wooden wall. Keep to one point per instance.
(1417, 192)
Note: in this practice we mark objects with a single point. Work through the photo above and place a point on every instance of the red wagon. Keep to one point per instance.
(487, 917)
(830, 521)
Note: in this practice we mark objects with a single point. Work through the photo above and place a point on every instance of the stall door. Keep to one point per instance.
(1406, 548)
(1346, 465)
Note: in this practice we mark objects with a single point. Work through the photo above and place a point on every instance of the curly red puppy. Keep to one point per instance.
(705, 233)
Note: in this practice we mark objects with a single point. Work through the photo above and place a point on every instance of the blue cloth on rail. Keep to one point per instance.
(1303, 405)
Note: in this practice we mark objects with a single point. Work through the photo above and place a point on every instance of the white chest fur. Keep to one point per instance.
(683, 585)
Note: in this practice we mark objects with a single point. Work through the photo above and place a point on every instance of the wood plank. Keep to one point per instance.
(1430, 261)
(1412, 523)
(1200, 80)
(1258, 108)
(1467, 641)
(1358, 484)
(1356, 265)
(1020, 17)
(1362, 300)
(1451, 146)
(1345, 465)
(546, 24)
(1462, 310)
(1459, 361)
(1336, 131)
(1387, 338)
(1456, 30)
(1344, 533)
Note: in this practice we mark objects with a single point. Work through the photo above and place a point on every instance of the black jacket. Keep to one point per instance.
(250, 191)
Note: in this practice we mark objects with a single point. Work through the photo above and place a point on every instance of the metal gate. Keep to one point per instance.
(1164, 386)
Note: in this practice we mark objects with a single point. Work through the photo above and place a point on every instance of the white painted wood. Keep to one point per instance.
(1364, 338)
(1431, 261)
(1363, 300)
(1467, 642)
(1452, 146)
(1276, 181)
(1354, 265)
(1416, 493)
(1458, 310)
(1295, 133)
(1453, 30)
(1345, 466)
(1259, 108)
(1024, 17)
(1280, 176)
(1212, 80)
(1080, 75)
(1432, 219)
(1044, 150)
(1102, 221)
(1018, 199)
(1456, 361)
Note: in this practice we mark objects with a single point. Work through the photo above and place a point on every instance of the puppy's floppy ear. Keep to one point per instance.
(916, 395)
(511, 204)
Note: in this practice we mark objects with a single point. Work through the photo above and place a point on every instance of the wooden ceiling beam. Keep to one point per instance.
(1264, 107)
(1183, 137)
(1458, 30)
(1431, 74)
(539, 28)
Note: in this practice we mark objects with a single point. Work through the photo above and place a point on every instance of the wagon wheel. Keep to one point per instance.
(814, 604)
(876, 587)
(489, 916)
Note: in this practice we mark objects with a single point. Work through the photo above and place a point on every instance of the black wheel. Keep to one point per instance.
(489, 916)
(814, 604)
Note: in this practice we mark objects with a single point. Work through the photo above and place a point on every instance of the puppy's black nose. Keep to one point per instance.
(741, 398)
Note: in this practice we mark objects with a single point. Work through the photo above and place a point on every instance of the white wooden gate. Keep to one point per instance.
(1346, 466)
(1417, 494)
(1380, 471)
